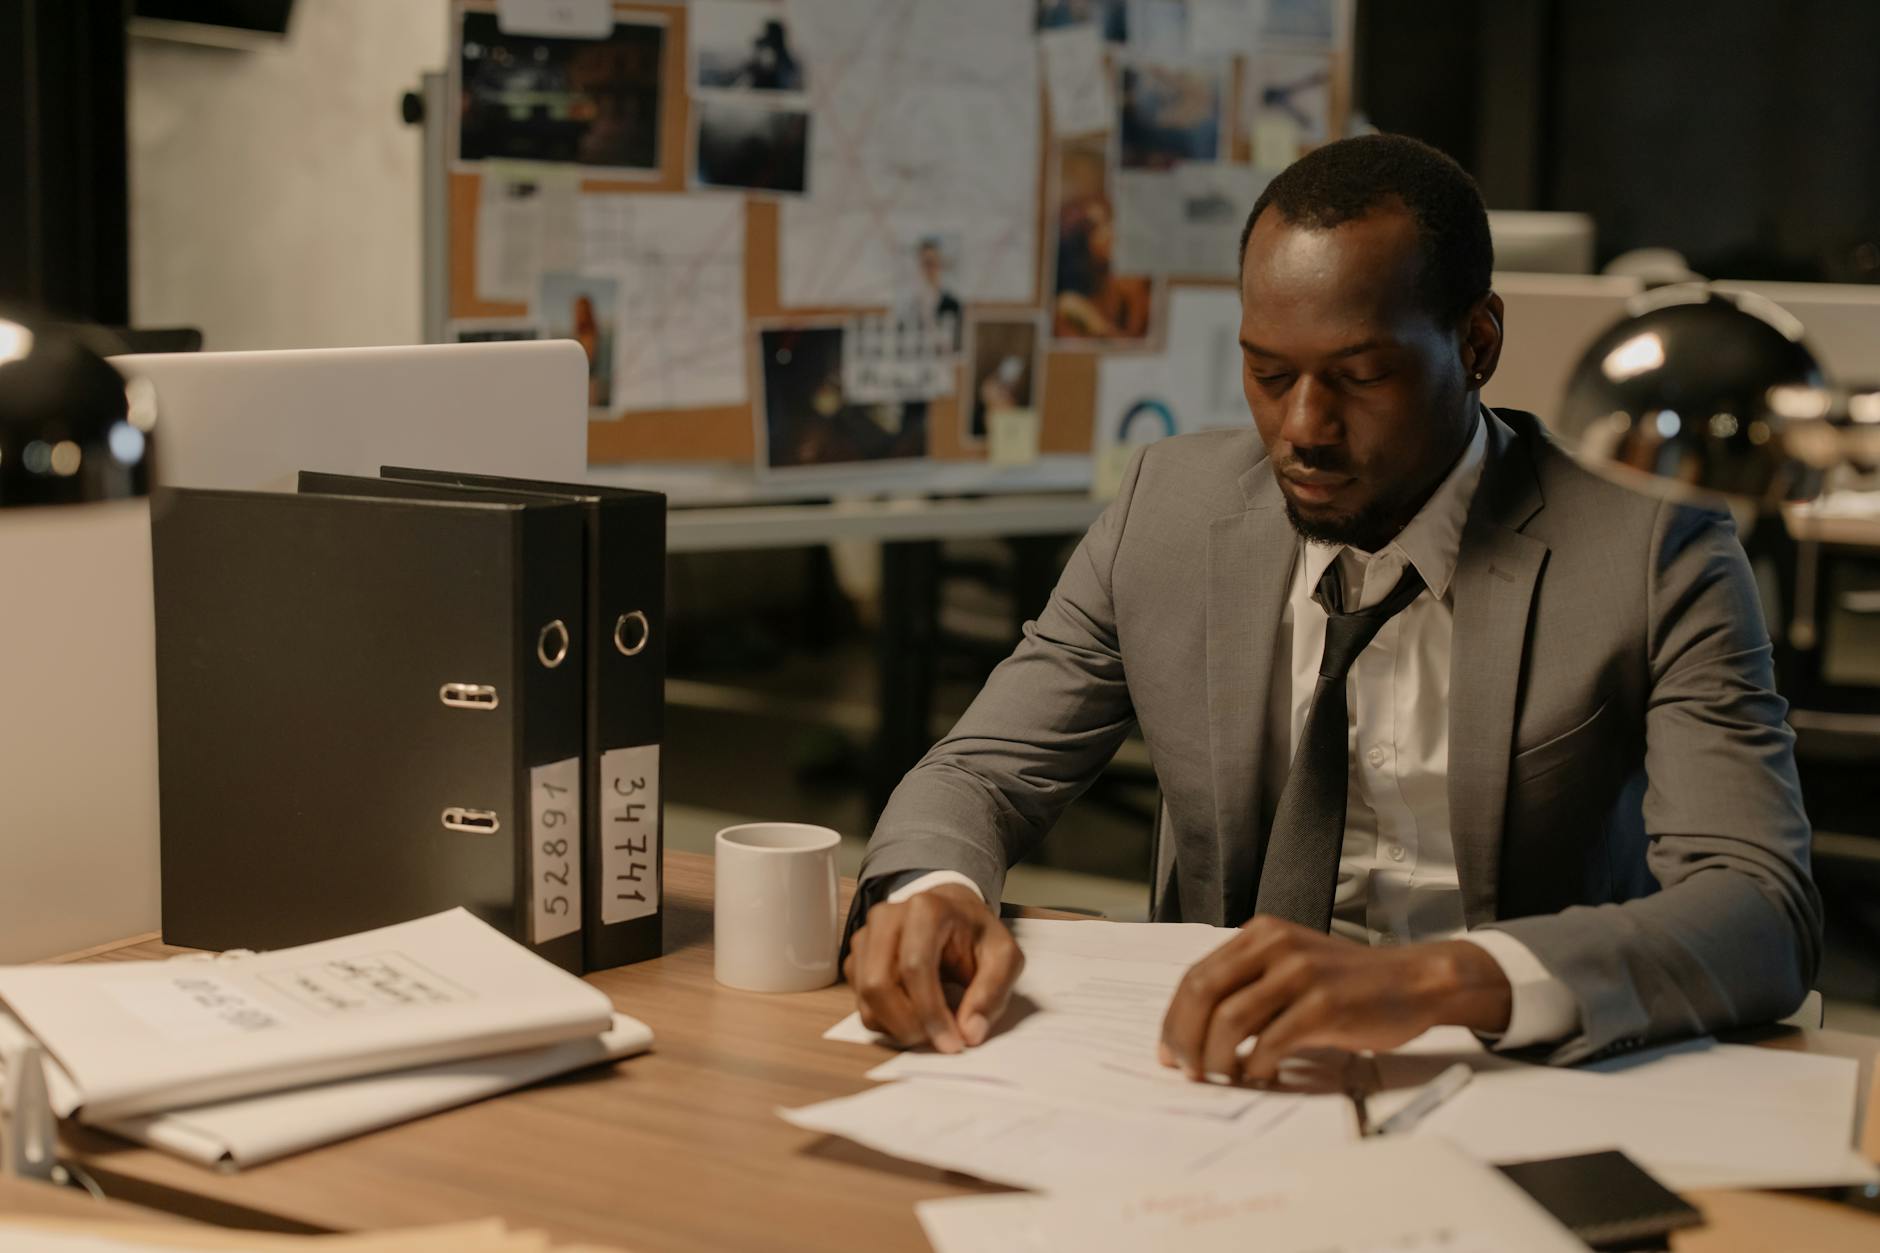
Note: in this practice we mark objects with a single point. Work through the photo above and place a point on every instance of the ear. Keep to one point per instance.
(1481, 341)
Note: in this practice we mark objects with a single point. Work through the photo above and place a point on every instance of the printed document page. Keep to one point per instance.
(129, 1038)
(1420, 1197)
(1697, 1114)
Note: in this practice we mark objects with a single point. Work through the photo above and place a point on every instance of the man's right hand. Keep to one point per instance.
(902, 953)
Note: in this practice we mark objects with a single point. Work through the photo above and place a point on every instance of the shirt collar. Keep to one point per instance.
(1433, 538)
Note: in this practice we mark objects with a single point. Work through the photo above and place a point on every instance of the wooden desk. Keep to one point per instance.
(678, 1149)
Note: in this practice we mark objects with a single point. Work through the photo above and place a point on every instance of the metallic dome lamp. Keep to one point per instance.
(78, 788)
(1711, 397)
(1676, 399)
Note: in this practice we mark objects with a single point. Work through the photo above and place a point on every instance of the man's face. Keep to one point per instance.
(930, 263)
(1362, 398)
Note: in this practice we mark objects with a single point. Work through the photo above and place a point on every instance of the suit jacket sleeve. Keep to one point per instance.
(1042, 728)
(1733, 936)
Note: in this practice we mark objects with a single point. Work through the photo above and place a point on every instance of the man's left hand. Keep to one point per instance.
(1296, 988)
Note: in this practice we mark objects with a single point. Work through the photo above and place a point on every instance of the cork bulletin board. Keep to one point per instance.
(841, 237)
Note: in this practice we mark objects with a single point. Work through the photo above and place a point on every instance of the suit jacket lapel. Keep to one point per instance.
(1497, 569)
(1250, 562)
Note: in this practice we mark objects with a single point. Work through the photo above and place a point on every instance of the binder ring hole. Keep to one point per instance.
(632, 633)
(551, 646)
(474, 821)
(468, 696)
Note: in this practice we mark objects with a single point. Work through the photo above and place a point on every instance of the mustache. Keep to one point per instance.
(1322, 460)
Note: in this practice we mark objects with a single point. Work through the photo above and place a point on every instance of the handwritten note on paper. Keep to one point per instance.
(358, 984)
(629, 833)
(193, 1007)
(555, 849)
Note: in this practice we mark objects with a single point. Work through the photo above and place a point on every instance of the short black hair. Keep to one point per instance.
(1347, 179)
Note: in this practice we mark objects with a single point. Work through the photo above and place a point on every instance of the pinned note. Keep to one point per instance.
(568, 19)
(1277, 139)
(1112, 464)
(1012, 437)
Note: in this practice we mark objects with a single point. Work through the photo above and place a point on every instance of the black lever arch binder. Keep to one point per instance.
(368, 710)
(626, 589)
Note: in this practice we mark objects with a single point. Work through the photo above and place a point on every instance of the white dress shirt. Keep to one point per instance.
(1397, 872)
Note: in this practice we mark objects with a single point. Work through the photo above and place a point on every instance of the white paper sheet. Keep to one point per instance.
(926, 122)
(1077, 80)
(257, 1129)
(1703, 1115)
(1419, 1197)
(1179, 944)
(679, 339)
(1084, 1023)
(1085, 1031)
(525, 226)
(1696, 1114)
(1001, 1138)
(134, 1038)
(1148, 221)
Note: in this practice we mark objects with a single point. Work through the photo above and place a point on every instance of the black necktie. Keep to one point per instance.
(1300, 872)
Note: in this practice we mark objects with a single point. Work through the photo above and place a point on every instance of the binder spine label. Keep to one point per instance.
(555, 849)
(629, 833)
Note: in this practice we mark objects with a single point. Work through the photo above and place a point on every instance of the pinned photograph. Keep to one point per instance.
(751, 145)
(745, 45)
(1091, 304)
(589, 102)
(1168, 113)
(1004, 370)
(583, 308)
(1288, 93)
(809, 420)
(1111, 17)
(925, 275)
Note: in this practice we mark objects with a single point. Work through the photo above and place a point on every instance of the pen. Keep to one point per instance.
(1434, 1093)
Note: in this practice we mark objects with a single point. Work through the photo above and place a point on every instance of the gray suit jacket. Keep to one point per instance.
(1622, 784)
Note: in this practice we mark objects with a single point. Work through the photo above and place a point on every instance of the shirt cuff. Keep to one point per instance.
(932, 879)
(1543, 1009)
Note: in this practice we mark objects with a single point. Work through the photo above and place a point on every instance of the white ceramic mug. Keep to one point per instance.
(774, 921)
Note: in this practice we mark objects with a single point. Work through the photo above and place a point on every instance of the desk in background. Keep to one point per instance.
(910, 532)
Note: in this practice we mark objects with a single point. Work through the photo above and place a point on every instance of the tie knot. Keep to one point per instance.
(1346, 634)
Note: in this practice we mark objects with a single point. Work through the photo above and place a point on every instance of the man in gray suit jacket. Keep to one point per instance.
(1454, 730)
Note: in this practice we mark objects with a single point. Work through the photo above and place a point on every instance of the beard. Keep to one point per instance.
(1367, 529)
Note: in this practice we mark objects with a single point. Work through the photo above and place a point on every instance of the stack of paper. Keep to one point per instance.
(240, 1059)
(1068, 1088)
